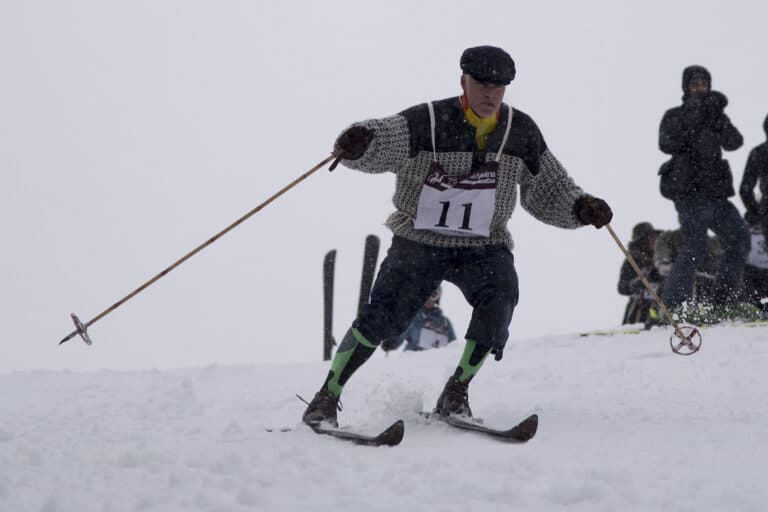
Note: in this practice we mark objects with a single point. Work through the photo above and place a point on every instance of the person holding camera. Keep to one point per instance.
(699, 181)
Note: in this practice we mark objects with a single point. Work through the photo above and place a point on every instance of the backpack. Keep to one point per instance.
(675, 174)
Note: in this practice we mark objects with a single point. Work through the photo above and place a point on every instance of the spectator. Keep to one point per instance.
(756, 272)
(699, 181)
(641, 305)
(428, 329)
(756, 171)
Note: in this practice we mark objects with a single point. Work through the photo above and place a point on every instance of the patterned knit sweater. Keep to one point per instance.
(403, 144)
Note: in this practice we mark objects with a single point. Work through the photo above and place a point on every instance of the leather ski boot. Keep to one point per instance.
(454, 400)
(322, 409)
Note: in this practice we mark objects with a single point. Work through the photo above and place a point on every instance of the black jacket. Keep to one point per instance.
(629, 283)
(695, 134)
(756, 170)
(640, 301)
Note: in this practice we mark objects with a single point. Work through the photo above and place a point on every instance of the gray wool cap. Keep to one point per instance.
(488, 64)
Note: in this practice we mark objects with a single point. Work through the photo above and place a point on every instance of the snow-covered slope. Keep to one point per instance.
(625, 425)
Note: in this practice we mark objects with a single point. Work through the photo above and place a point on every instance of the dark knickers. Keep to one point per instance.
(411, 271)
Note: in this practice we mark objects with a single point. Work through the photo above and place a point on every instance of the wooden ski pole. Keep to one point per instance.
(647, 285)
(82, 328)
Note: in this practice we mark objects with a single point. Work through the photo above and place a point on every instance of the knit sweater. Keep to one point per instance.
(403, 144)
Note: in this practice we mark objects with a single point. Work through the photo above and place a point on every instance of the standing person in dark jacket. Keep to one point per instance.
(699, 181)
(756, 171)
(667, 250)
(641, 248)
(458, 162)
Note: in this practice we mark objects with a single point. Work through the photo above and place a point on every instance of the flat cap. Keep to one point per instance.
(488, 64)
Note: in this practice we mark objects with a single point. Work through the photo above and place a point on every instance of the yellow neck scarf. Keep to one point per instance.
(483, 125)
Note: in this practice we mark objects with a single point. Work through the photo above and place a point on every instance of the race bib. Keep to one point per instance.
(455, 206)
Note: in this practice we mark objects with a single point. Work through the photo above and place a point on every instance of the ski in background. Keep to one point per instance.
(370, 259)
(639, 330)
(329, 266)
(613, 332)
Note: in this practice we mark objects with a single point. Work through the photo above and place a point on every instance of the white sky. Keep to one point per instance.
(131, 132)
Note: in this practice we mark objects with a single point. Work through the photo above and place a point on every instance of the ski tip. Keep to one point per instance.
(394, 434)
(528, 427)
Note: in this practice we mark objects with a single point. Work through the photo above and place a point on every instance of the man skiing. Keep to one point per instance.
(458, 162)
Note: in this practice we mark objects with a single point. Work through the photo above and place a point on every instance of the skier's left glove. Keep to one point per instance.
(593, 210)
(351, 144)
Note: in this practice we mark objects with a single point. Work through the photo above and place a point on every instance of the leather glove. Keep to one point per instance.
(716, 101)
(713, 104)
(351, 144)
(593, 210)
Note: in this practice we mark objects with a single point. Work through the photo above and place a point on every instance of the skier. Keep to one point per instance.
(458, 163)
(428, 329)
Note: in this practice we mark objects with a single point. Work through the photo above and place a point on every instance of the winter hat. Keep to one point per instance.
(692, 73)
(488, 64)
(643, 229)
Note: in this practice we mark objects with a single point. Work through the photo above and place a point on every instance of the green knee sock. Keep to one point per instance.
(471, 361)
(351, 354)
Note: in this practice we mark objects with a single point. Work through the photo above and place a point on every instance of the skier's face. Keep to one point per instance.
(484, 98)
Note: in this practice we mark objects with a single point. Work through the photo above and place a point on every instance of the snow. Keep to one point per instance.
(625, 425)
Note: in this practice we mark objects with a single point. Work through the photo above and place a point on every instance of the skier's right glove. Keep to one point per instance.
(593, 210)
(351, 144)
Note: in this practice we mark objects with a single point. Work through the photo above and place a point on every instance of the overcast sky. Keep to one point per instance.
(131, 132)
